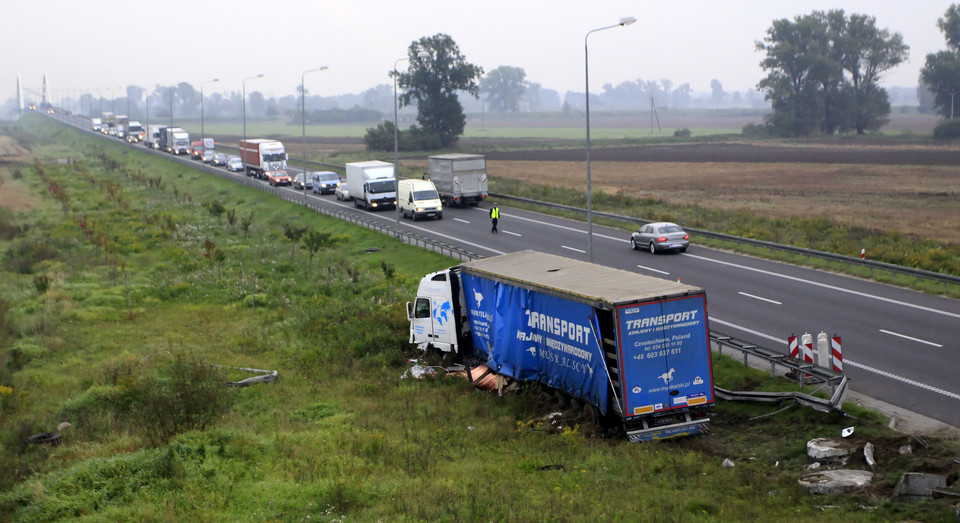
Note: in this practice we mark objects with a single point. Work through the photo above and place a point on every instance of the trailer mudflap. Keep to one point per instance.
(688, 427)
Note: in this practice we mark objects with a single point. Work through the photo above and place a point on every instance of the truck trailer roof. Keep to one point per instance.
(589, 282)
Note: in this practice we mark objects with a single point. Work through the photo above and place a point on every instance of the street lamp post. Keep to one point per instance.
(586, 63)
(303, 124)
(203, 134)
(243, 109)
(396, 132)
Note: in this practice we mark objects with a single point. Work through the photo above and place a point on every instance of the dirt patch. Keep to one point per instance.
(11, 151)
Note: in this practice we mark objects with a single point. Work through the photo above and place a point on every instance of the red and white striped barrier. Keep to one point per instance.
(794, 347)
(836, 353)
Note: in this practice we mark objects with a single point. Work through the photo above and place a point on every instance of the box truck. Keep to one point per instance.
(634, 350)
(265, 159)
(135, 131)
(418, 199)
(371, 184)
(461, 179)
(174, 140)
(95, 124)
(152, 138)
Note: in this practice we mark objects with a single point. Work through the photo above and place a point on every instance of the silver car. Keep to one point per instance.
(234, 164)
(660, 236)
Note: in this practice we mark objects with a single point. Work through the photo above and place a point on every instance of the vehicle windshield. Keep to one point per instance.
(274, 157)
(428, 194)
(383, 186)
(670, 228)
(328, 177)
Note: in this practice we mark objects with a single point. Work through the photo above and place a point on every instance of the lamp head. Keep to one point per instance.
(627, 20)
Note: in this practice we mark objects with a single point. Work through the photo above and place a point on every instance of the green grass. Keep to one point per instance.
(340, 435)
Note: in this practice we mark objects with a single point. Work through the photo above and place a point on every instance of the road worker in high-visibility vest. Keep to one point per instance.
(494, 217)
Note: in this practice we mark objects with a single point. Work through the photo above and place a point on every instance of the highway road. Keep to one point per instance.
(899, 346)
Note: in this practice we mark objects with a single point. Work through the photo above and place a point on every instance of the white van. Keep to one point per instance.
(418, 198)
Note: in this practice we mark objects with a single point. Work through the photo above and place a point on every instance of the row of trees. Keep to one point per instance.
(823, 72)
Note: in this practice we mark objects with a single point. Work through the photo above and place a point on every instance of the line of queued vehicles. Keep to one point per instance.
(452, 180)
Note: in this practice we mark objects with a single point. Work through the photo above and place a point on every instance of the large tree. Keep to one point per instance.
(434, 82)
(824, 71)
(504, 87)
(941, 71)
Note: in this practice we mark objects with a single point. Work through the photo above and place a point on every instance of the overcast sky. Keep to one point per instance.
(112, 43)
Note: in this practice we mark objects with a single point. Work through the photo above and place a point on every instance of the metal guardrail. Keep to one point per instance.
(812, 253)
(805, 374)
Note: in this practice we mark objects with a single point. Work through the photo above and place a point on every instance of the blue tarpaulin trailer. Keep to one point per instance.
(635, 349)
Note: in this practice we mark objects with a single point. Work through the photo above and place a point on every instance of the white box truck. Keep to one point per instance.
(152, 138)
(372, 184)
(634, 349)
(461, 179)
(418, 199)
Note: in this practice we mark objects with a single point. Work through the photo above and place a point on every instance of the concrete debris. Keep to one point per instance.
(868, 454)
(906, 449)
(727, 463)
(418, 372)
(830, 450)
(917, 485)
(835, 481)
(813, 466)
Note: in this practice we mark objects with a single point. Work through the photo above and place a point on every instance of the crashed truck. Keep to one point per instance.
(634, 350)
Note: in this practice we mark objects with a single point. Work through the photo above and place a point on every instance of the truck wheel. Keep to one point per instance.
(440, 216)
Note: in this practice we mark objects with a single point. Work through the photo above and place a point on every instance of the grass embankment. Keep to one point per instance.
(125, 278)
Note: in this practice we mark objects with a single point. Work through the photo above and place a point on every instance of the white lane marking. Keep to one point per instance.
(512, 233)
(831, 287)
(759, 298)
(455, 239)
(852, 363)
(911, 338)
(459, 220)
(564, 227)
(651, 269)
(573, 249)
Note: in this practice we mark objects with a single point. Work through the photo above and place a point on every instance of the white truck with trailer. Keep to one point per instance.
(371, 184)
(634, 350)
(461, 179)
(265, 159)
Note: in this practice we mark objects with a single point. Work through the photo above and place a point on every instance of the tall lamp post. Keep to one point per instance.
(396, 133)
(203, 134)
(586, 63)
(243, 109)
(303, 124)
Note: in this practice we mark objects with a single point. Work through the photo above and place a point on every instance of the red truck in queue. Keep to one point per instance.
(265, 159)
